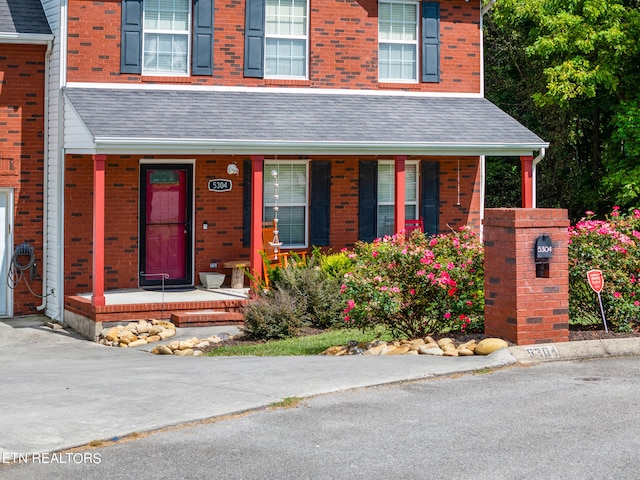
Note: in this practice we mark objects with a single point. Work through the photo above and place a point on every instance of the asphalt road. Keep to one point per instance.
(558, 420)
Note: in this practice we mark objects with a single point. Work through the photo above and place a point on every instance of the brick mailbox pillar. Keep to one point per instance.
(526, 275)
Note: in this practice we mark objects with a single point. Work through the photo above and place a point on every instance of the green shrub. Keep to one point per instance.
(300, 294)
(336, 265)
(416, 286)
(275, 314)
(613, 246)
(274, 270)
(317, 291)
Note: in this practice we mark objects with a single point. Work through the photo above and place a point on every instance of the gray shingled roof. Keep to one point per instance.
(23, 16)
(370, 123)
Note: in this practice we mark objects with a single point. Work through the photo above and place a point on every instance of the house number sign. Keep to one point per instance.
(220, 185)
(543, 248)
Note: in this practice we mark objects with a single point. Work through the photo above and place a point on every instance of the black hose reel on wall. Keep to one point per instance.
(22, 261)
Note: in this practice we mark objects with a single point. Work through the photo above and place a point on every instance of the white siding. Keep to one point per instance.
(76, 134)
(54, 195)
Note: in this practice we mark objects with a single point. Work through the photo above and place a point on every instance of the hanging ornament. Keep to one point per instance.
(276, 243)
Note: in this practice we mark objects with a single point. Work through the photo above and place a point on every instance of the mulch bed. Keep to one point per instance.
(598, 334)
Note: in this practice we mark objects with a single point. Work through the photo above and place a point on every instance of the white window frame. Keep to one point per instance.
(268, 203)
(160, 32)
(269, 36)
(415, 43)
(416, 202)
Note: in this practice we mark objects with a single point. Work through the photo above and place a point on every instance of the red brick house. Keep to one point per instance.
(25, 43)
(174, 114)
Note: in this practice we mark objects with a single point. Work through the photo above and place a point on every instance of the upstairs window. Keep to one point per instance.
(286, 38)
(276, 39)
(408, 41)
(166, 37)
(398, 41)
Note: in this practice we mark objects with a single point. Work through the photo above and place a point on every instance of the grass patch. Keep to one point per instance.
(307, 345)
(288, 402)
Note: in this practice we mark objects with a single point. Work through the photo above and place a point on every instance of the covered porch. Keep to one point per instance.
(211, 127)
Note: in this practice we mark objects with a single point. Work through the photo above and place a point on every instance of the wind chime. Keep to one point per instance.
(276, 243)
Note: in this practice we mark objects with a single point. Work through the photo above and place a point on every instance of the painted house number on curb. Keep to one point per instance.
(220, 185)
(543, 352)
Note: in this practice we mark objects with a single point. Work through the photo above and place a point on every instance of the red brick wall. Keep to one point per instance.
(518, 305)
(222, 241)
(22, 84)
(343, 46)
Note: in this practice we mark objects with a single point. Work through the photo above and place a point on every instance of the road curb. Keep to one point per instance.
(585, 349)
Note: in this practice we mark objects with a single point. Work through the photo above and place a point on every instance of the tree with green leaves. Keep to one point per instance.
(568, 69)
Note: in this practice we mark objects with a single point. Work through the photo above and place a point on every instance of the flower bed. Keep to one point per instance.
(613, 246)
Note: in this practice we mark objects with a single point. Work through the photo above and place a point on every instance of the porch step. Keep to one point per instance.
(206, 318)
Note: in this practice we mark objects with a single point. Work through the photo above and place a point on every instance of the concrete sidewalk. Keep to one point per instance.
(61, 391)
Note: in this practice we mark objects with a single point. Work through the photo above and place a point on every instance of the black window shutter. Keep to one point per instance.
(131, 37)
(246, 205)
(202, 61)
(254, 38)
(368, 200)
(320, 208)
(430, 41)
(430, 196)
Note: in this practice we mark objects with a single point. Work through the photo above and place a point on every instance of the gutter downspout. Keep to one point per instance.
(59, 220)
(45, 179)
(483, 176)
(535, 162)
(482, 158)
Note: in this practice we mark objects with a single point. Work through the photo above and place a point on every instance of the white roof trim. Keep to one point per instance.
(306, 90)
(26, 38)
(203, 147)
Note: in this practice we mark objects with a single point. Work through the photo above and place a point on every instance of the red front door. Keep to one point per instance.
(166, 212)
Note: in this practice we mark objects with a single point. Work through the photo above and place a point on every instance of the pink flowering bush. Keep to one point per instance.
(416, 286)
(613, 246)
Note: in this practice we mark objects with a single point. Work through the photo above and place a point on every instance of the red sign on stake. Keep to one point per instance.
(595, 279)
(596, 282)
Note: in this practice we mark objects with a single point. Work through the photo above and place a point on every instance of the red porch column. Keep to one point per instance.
(399, 192)
(97, 297)
(527, 181)
(257, 179)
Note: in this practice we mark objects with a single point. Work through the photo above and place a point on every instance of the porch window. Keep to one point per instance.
(292, 201)
(286, 38)
(166, 37)
(386, 195)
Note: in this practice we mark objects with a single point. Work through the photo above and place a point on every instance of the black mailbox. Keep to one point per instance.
(544, 248)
